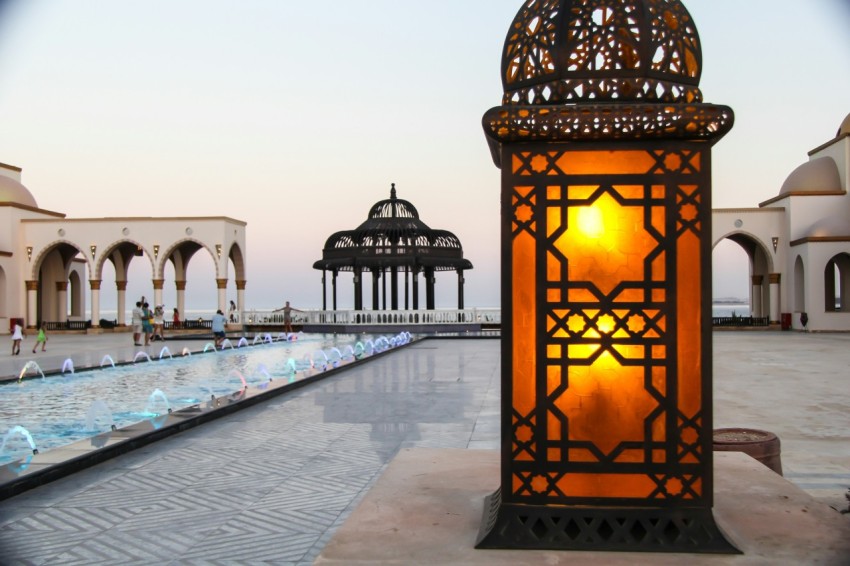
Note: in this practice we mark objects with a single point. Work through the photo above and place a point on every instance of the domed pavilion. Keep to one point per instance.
(392, 243)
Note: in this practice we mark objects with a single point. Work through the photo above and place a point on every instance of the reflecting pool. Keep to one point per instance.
(40, 413)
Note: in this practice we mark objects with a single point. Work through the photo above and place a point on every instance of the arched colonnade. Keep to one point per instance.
(61, 252)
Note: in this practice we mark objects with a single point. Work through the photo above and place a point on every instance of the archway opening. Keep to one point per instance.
(730, 278)
(837, 284)
(799, 285)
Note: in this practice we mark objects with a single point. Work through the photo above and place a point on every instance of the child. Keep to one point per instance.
(41, 338)
(17, 336)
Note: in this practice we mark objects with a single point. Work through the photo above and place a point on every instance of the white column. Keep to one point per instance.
(62, 301)
(157, 293)
(121, 287)
(32, 304)
(757, 298)
(95, 302)
(774, 297)
(240, 297)
(181, 298)
(222, 294)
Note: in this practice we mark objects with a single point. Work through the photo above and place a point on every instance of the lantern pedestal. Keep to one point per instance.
(549, 527)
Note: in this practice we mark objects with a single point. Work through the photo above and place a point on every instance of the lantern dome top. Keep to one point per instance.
(574, 51)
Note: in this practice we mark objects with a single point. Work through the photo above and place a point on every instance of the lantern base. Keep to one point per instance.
(561, 527)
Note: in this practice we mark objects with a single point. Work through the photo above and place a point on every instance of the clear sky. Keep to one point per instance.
(296, 116)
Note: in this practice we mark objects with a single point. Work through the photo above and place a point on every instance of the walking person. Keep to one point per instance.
(218, 322)
(41, 338)
(175, 319)
(232, 311)
(17, 335)
(137, 324)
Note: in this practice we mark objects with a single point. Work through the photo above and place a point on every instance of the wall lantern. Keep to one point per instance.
(775, 243)
(155, 251)
(29, 253)
(93, 249)
(604, 146)
(218, 250)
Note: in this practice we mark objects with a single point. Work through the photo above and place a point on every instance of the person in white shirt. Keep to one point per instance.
(17, 336)
(137, 324)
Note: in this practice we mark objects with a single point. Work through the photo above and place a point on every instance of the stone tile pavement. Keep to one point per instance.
(272, 483)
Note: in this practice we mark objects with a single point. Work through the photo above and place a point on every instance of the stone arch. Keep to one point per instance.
(181, 252)
(51, 268)
(238, 258)
(836, 283)
(799, 285)
(76, 290)
(761, 265)
(121, 252)
(750, 242)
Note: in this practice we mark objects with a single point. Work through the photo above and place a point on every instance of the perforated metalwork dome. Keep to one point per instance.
(561, 51)
(393, 235)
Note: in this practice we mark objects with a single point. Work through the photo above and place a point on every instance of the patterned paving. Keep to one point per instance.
(272, 483)
(269, 484)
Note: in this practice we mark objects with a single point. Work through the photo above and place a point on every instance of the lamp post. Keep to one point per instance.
(604, 146)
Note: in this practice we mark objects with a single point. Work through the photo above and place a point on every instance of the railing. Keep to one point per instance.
(734, 321)
(483, 316)
(197, 324)
(69, 325)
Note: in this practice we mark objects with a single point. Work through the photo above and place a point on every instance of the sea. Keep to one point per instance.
(721, 309)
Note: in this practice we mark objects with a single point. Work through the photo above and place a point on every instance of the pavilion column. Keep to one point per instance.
(121, 302)
(415, 276)
(240, 298)
(430, 280)
(406, 288)
(460, 282)
(757, 297)
(157, 292)
(358, 289)
(383, 289)
(62, 301)
(324, 290)
(774, 279)
(222, 294)
(181, 298)
(394, 287)
(95, 302)
(333, 287)
(376, 276)
(32, 303)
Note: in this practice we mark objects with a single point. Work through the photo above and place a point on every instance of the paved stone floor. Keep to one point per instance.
(270, 484)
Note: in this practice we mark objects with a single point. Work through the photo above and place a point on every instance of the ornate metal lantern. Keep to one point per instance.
(604, 146)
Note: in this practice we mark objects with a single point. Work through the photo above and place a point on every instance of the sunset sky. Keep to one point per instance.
(296, 116)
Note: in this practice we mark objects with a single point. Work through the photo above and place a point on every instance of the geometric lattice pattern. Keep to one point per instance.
(565, 51)
(564, 528)
(608, 356)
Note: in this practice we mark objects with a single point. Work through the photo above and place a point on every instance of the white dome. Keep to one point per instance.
(816, 176)
(14, 192)
(844, 128)
(830, 227)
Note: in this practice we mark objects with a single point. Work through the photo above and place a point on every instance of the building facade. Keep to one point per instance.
(798, 242)
(51, 266)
